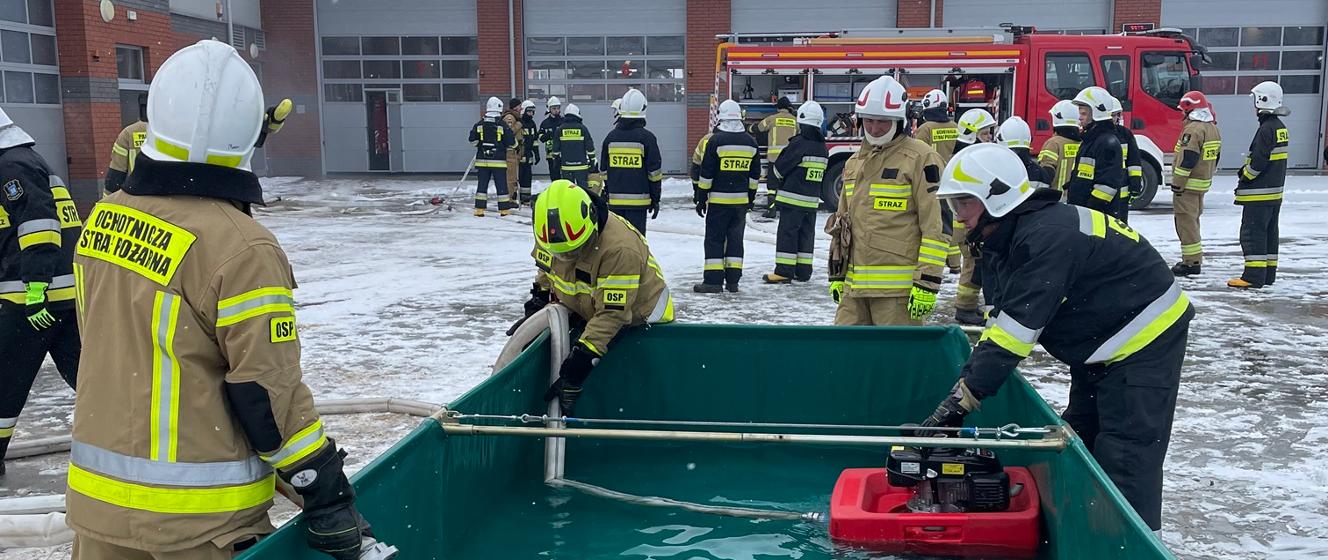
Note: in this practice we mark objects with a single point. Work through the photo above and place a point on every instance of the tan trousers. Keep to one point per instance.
(878, 311)
(967, 293)
(513, 158)
(90, 549)
(1188, 206)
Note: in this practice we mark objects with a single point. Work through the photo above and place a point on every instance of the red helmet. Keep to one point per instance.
(1193, 100)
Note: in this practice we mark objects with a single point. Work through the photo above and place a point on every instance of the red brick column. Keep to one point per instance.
(917, 13)
(1136, 11)
(292, 71)
(494, 41)
(91, 92)
(705, 19)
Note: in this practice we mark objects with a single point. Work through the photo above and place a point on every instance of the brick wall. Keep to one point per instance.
(1136, 11)
(494, 41)
(292, 71)
(917, 13)
(705, 19)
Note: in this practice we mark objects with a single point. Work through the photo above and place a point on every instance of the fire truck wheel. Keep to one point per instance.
(1152, 178)
(831, 186)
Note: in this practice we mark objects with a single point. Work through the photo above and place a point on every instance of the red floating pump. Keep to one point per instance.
(952, 507)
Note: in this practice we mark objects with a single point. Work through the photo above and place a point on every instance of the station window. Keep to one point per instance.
(1241, 57)
(1165, 76)
(430, 68)
(1068, 73)
(602, 68)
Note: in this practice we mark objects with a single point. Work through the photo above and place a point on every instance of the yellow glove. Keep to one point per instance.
(920, 302)
(837, 290)
(276, 116)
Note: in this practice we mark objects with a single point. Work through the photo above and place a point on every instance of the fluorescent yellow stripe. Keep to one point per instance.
(289, 456)
(1008, 341)
(6, 432)
(173, 435)
(1258, 197)
(1099, 224)
(60, 294)
(1099, 194)
(119, 150)
(37, 238)
(171, 500)
(252, 294)
(1276, 157)
(78, 288)
(1153, 330)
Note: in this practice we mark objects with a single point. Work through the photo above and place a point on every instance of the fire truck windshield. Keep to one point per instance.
(1166, 76)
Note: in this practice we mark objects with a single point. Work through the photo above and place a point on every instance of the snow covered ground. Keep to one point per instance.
(397, 302)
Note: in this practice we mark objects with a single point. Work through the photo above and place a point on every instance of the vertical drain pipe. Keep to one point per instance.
(511, 47)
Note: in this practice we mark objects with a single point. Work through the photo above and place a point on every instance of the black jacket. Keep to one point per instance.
(39, 230)
(491, 139)
(936, 114)
(546, 129)
(730, 170)
(800, 169)
(530, 133)
(1099, 172)
(1134, 171)
(573, 145)
(1264, 174)
(1084, 285)
(632, 165)
(1037, 176)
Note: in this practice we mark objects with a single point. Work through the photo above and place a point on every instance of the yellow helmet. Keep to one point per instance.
(564, 217)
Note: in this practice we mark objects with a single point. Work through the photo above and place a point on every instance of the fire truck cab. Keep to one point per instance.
(1008, 71)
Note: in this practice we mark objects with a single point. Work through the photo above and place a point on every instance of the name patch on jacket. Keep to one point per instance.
(139, 242)
(283, 329)
(891, 204)
(615, 299)
(944, 134)
(544, 259)
(1283, 135)
(13, 190)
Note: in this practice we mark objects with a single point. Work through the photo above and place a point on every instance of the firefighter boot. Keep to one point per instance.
(773, 278)
(1182, 269)
(4, 446)
(479, 212)
(732, 287)
(504, 212)
(703, 288)
(968, 317)
(1240, 283)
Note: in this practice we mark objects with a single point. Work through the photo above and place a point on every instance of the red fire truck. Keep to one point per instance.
(1008, 71)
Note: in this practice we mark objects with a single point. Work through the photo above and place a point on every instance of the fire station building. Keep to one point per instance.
(393, 85)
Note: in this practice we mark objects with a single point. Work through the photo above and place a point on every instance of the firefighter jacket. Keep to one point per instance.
(1058, 156)
(123, 154)
(39, 228)
(1132, 158)
(491, 139)
(1264, 173)
(939, 131)
(1099, 174)
(890, 197)
(613, 282)
(632, 166)
(192, 393)
(730, 170)
(779, 129)
(512, 119)
(698, 154)
(1197, 151)
(1083, 284)
(573, 145)
(1036, 176)
(800, 170)
(547, 130)
(529, 135)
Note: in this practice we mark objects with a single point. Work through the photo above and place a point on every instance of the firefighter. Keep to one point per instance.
(897, 249)
(1197, 152)
(614, 107)
(1095, 295)
(547, 129)
(492, 140)
(512, 119)
(730, 173)
(631, 163)
(574, 147)
(778, 128)
(938, 130)
(193, 394)
(39, 229)
(126, 147)
(530, 154)
(1015, 135)
(1059, 152)
(976, 126)
(600, 268)
(799, 171)
(1134, 171)
(698, 154)
(1259, 189)
(1099, 170)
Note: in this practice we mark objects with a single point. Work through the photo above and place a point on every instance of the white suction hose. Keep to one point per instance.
(554, 319)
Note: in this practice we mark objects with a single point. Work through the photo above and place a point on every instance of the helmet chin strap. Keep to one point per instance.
(882, 139)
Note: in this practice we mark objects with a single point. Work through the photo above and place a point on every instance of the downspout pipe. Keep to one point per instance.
(511, 45)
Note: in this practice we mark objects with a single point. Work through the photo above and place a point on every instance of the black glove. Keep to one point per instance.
(539, 298)
(333, 526)
(573, 373)
(654, 208)
(751, 200)
(701, 209)
(950, 413)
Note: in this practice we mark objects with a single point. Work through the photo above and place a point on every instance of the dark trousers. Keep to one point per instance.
(579, 178)
(1258, 240)
(1123, 411)
(498, 175)
(555, 171)
(634, 216)
(725, 225)
(24, 349)
(523, 178)
(794, 242)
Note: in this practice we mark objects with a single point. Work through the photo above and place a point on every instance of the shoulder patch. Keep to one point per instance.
(932, 173)
(13, 189)
(889, 173)
(1185, 138)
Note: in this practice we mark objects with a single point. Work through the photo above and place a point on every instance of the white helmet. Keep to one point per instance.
(1096, 99)
(493, 107)
(934, 98)
(572, 109)
(615, 105)
(990, 173)
(1116, 107)
(729, 110)
(205, 106)
(1014, 133)
(554, 102)
(1064, 113)
(527, 105)
(633, 105)
(883, 98)
(10, 134)
(1267, 96)
(972, 122)
(811, 113)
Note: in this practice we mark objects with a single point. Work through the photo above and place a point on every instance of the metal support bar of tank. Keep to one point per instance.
(1056, 441)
